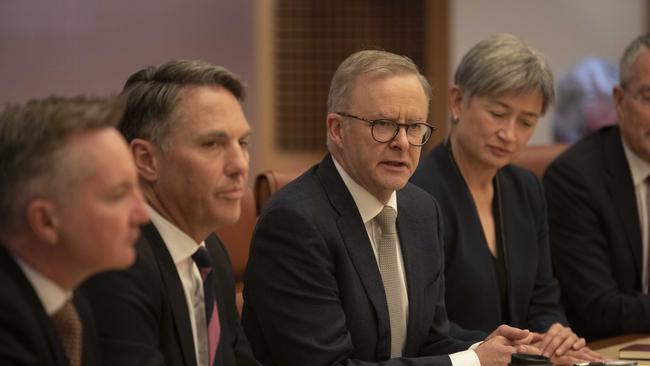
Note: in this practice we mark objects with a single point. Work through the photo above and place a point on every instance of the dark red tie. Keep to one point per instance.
(204, 263)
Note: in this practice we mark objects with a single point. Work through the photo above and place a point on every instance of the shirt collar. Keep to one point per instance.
(179, 244)
(367, 204)
(639, 168)
(52, 296)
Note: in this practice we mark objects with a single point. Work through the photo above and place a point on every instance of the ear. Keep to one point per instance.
(455, 102)
(617, 95)
(334, 128)
(43, 220)
(145, 155)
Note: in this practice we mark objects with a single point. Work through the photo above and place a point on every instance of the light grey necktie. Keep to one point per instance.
(387, 249)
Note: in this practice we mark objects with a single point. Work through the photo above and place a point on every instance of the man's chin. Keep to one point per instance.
(395, 183)
(227, 217)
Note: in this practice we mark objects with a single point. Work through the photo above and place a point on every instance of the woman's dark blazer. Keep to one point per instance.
(472, 290)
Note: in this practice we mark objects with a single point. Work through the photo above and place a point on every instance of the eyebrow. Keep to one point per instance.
(504, 105)
(644, 89)
(220, 134)
(382, 117)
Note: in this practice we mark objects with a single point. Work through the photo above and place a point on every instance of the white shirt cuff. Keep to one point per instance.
(465, 358)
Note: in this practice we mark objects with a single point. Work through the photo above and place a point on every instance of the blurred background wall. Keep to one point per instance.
(74, 47)
(565, 31)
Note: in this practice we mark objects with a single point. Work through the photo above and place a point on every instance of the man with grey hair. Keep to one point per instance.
(176, 306)
(598, 204)
(346, 261)
(71, 207)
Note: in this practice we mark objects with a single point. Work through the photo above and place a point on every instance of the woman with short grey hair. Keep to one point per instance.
(497, 266)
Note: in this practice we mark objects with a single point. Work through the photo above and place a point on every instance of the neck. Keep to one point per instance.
(175, 218)
(50, 261)
(476, 175)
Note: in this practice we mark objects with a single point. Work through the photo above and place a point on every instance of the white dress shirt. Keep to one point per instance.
(369, 207)
(52, 296)
(640, 169)
(181, 247)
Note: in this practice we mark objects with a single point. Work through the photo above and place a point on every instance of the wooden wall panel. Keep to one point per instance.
(304, 41)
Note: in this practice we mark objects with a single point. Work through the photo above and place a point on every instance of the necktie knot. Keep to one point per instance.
(202, 258)
(386, 220)
(69, 328)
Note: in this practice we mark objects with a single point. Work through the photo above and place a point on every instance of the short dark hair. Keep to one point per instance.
(154, 92)
(32, 136)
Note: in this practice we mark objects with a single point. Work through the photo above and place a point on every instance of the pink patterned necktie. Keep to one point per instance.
(68, 326)
(204, 263)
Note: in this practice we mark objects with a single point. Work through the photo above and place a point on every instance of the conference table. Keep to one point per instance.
(609, 347)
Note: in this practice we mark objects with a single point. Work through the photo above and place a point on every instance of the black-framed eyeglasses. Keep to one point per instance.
(385, 130)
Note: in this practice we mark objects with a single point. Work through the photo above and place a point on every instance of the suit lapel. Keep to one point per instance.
(175, 293)
(621, 190)
(358, 246)
(220, 294)
(414, 250)
(45, 322)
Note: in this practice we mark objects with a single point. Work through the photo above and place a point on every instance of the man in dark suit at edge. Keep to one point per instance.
(70, 207)
(176, 305)
(332, 279)
(597, 193)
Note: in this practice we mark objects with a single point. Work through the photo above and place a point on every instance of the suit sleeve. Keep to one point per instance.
(17, 339)
(544, 309)
(580, 254)
(293, 314)
(127, 305)
(445, 334)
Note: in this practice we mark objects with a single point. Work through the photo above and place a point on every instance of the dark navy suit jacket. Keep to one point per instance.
(142, 313)
(27, 334)
(472, 290)
(596, 237)
(313, 293)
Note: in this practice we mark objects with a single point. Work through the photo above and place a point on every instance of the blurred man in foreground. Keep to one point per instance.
(71, 207)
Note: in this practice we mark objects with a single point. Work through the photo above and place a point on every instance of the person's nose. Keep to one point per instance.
(401, 139)
(507, 131)
(237, 163)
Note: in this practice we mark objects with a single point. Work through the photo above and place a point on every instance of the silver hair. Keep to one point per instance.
(373, 63)
(33, 158)
(630, 55)
(504, 63)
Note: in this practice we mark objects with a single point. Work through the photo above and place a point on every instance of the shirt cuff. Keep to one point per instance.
(465, 358)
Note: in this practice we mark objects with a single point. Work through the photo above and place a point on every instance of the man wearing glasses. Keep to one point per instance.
(346, 262)
(598, 204)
